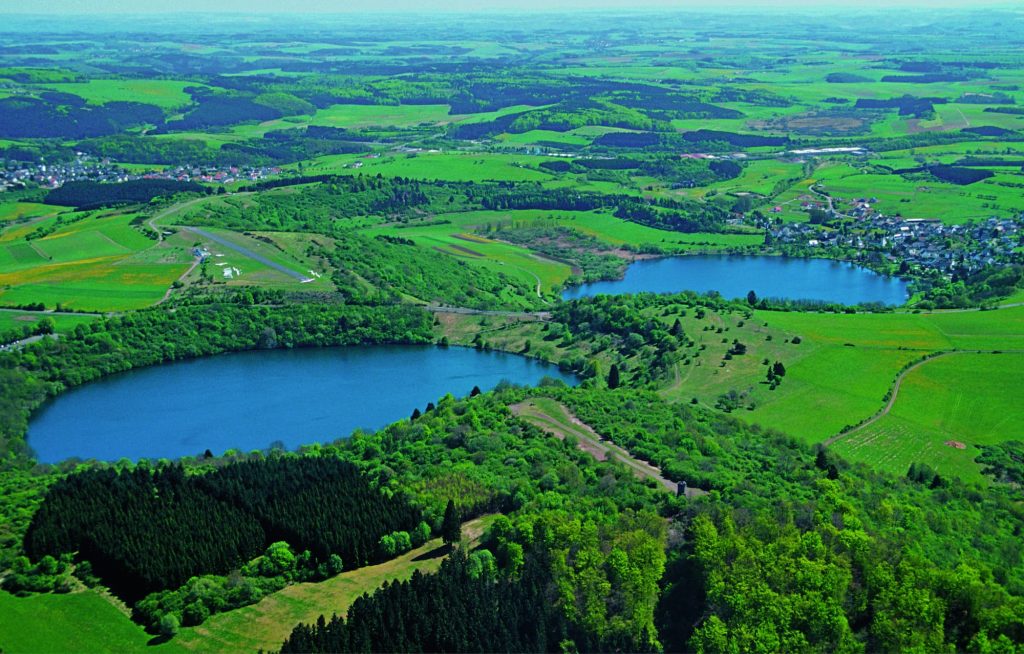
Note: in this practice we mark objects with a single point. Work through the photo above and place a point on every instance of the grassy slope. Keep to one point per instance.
(87, 622)
(970, 398)
(78, 622)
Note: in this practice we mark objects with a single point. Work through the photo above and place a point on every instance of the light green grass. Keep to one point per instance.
(353, 116)
(457, 167)
(12, 211)
(926, 197)
(166, 94)
(101, 263)
(845, 364)
(265, 625)
(76, 622)
(973, 399)
(11, 320)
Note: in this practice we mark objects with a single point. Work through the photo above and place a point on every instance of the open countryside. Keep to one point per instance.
(611, 330)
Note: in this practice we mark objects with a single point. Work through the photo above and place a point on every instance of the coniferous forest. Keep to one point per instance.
(148, 530)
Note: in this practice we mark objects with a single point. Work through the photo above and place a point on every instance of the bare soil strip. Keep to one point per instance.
(562, 423)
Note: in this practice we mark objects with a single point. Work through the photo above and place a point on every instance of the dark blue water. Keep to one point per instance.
(734, 276)
(247, 400)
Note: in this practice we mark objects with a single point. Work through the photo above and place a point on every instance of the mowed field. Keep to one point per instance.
(944, 409)
(76, 622)
(166, 94)
(97, 263)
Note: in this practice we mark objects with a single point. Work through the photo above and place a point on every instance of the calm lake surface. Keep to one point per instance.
(248, 400)
(734, 275)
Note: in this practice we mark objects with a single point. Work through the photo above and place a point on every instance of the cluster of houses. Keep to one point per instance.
(925, 242)
(18, 174)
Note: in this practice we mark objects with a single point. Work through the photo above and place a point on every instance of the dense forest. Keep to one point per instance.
(145, 530)
(468, 606)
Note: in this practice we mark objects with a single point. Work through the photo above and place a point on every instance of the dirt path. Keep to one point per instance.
(892, 396)
(151, 223)
(167, 294)
(556, 418)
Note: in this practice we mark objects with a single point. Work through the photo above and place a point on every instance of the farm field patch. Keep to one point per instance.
(944, 410)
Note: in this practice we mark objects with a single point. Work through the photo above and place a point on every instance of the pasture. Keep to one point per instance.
(99, 262)
(843, 367)
(166, 94)
(943, 410)
(82, 621)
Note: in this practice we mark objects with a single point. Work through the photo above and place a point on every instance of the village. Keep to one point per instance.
(15, 175)
(924, 242)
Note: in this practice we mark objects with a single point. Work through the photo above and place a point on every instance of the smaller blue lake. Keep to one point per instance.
(247, 400)
(734, 276)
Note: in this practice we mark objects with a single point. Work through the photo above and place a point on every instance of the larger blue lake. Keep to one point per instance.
(734, 276)
(248, 400)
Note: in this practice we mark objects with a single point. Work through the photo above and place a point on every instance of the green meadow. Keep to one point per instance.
(15, 320)
(843, 367)
(98, 263)
(944, 409)
(75, 622)
(166, 94)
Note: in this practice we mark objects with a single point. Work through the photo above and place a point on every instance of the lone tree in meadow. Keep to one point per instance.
(451, 529)
(613, 376)
(751, 298)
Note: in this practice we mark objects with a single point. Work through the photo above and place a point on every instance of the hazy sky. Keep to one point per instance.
(332, 6)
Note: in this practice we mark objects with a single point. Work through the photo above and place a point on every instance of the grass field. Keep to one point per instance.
(77, 622)
(15, 211)
(99, 263)
(458, 167)
(843, 367)
(12, 320)
(968, 399)
(926, 198)
(265, 625)
(166, 94)
(353, 116)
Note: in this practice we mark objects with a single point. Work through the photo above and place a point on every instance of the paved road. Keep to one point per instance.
(249, 253)
(17, 345)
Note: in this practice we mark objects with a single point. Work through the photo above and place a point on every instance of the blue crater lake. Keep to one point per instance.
(734, 276)
(247, 400)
